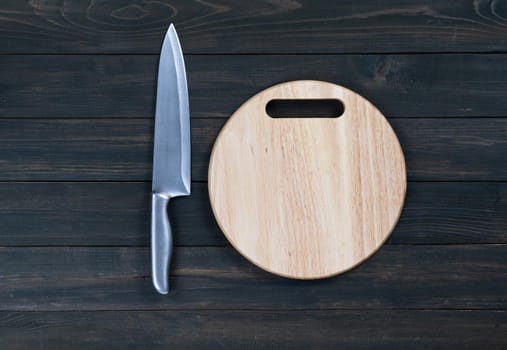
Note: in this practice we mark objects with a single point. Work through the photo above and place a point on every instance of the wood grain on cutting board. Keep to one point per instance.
(307, 197)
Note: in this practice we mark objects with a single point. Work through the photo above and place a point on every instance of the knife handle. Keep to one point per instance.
(161, 242)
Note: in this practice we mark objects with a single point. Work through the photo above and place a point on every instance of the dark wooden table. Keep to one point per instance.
(77, 88)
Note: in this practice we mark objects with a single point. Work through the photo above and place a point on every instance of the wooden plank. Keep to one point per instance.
(308, 329)
(453, 213)
(95, 214)
(227, 26)
(124, 86)
(415, 277)
(108, 149)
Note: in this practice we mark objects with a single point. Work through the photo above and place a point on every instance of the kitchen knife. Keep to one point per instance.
(171, 155)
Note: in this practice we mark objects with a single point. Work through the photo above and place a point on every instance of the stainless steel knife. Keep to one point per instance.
(171, 155)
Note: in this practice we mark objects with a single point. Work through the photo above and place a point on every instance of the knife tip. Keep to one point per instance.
(170, 35)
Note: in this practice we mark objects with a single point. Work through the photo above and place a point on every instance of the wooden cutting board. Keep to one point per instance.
(307, 198)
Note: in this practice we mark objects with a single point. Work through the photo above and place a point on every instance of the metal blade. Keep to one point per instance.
(171, 156)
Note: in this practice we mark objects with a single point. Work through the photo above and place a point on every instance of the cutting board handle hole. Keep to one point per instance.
(305, 108)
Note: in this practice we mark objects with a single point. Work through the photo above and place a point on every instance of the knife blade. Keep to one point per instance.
(171, 154)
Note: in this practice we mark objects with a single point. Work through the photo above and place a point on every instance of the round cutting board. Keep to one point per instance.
(307, 198)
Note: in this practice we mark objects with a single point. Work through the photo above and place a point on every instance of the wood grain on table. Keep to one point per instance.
(77, 97)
